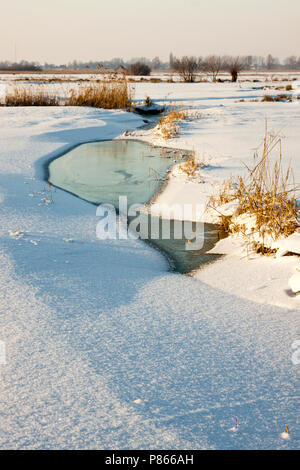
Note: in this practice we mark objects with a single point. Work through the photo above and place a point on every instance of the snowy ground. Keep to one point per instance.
(105, 347)
(224, 136)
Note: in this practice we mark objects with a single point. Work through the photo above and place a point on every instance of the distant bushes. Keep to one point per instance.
(23, 66)
(189, 66)
(139, 68)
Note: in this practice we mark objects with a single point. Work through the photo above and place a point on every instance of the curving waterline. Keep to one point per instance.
(99, 172)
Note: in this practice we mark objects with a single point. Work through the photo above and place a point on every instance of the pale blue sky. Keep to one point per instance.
(63, 30)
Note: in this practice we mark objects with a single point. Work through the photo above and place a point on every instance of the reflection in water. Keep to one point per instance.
(100, 172)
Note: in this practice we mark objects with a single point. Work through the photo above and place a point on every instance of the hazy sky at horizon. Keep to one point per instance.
(62, 30)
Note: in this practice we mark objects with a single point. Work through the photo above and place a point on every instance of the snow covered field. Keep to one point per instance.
(105, 348)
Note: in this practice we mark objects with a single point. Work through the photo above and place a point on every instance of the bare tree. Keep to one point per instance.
(270, 61)
(249, 61)
(212, 65)
(171, 61)
(187, 67)
(155, 63)
(234, 65)
(292, 62)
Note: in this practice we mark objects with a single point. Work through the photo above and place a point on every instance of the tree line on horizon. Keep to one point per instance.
(186, 66)
(189, 66)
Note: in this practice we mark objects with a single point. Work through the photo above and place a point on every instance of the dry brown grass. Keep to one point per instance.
(169, 125)
(267, 195)
(224, 195)
(30, 96)
(268, 98)
(106, 94)
(155, 80)
(281, 97)
(284, 88)
(190, 167)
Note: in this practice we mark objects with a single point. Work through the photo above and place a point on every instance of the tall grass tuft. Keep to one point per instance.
(190, 166)
(267, 195)
(105, 94)
(30, 96)
(169, 125)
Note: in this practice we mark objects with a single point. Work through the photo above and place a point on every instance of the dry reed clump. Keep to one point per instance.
(169, 125)
(155, 80)
(266, 206)
(30, 96)
(224, 195)
(106, 94)
(281, 97)
(190, 166)
(267, 98)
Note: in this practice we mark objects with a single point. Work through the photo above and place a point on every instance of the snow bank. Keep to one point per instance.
(289, 244)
